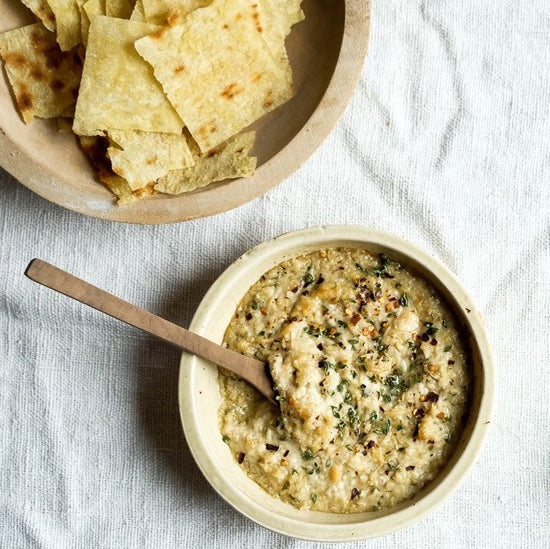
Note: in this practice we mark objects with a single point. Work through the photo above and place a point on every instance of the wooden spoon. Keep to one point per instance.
(252, 370)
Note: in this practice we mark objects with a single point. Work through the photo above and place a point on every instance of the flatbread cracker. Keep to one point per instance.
(218, 85)
(227, 161)
(95, 148)
(88, 10)
(44, 79)
(118, 8)
(138, 13)
(161, 12)
(67, 20)
(42, 10)
(142, 157)
(118, 89)
(279, 17)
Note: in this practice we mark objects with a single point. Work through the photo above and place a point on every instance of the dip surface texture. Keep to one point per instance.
(373, 379)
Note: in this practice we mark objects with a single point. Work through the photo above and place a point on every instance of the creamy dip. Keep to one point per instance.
(372, 377)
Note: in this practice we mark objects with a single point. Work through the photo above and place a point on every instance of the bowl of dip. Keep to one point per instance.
(384, 376)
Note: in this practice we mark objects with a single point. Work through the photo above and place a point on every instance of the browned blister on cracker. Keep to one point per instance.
(218, 85)
(44, 79)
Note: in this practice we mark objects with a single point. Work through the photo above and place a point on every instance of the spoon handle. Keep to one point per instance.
(254, 371)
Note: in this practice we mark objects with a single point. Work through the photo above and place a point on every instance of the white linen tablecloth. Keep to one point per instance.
(446, 143)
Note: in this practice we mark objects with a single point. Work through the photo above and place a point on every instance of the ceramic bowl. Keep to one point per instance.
(199, 396)
(326, 52)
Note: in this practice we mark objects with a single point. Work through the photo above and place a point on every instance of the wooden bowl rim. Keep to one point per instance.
(40, 178)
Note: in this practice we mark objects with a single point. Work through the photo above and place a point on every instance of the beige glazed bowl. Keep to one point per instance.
(199, 396)
(326, 52)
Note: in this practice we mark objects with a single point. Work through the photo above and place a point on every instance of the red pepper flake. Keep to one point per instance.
(409, 468)
(248, 316)
(450, 362)
(355, 493)
(371, 444)
(271, 447)
(286, 453)
(434, 397)
(420, 413)
(433, 341)
(240, 459)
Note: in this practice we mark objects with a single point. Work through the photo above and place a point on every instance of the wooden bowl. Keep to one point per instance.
(326, 52)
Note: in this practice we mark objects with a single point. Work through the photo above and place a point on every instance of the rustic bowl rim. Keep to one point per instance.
(311, 525)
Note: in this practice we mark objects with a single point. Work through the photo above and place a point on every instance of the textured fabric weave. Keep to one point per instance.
(446, 143)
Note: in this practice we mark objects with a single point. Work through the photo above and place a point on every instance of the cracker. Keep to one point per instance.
(88, 10)
(42, 10)
(143, 157)
(161, 12)
(279, 17)
(118, 8)
(95, 148)
(44, 79)
(118, 89)
(138, 13)
(227, 161)
(218, 86)
(67, 21)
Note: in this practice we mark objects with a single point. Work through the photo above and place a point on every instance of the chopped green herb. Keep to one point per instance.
(382, 268)
(447, 348)
(325, 365)
(307, 455)
(404, 300)
(308, 277)
(313, 498)
(226, 439)
(384, 429)
(314, 470)
(431, 329)
(362, 269)
(353, 417)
